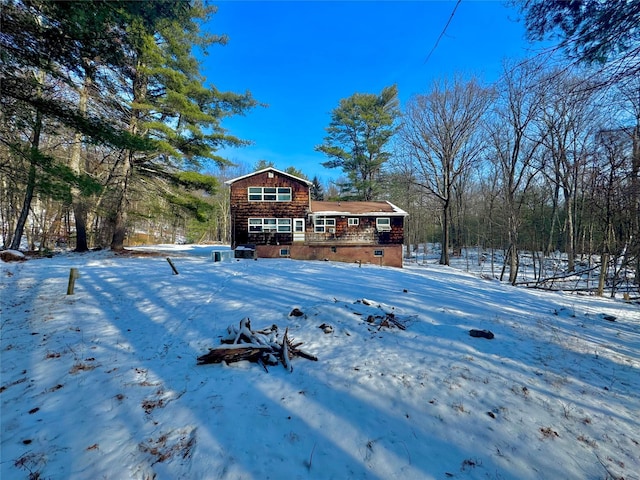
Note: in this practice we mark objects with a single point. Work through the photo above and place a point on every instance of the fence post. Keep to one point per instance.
(173, 267)
(73, 274)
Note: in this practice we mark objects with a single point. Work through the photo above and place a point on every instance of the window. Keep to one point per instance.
(255, 193)
(378, 253)
(280, 225)
(269, 194)
(284, 252)
(353, 222)
(284, 194)
(323, 223)
(383, 224)
(284, 225)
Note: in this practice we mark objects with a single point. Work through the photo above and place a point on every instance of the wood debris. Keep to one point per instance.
(387, 320)
(382, 317)
(266, 347)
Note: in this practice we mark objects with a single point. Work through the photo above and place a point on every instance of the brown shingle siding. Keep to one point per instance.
(341, 241)
(242, 208)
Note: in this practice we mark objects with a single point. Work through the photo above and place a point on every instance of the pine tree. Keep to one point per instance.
(317, 192)
(136, 87)
(360, 128)
(42, 48)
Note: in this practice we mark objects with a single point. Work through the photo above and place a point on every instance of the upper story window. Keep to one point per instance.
(324, 224)
(383, 224)
(353, 221)
(270, 194)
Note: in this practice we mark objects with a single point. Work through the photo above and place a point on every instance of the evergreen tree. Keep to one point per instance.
(43, 47)
(262, 164)
(360, 128)
(135, 87)
(317, 192)
(170, 102)
(295, 172)
(589, 31)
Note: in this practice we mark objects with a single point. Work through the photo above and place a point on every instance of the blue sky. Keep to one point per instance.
(302, 57)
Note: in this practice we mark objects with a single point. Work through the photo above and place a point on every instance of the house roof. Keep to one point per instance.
(362, 209)
(279, 172)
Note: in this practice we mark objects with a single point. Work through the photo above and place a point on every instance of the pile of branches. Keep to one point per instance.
(265, 347)
(387, 320)
(383, 319)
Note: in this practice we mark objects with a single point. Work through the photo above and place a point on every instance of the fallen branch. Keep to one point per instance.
(388, 320)
(232, 354)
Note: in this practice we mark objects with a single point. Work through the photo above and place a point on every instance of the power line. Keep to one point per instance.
(443, 31)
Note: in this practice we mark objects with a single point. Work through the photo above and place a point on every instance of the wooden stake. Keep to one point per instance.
(173, 267)
(73, 274)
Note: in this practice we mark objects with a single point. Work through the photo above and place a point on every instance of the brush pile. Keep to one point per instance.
(265, 347)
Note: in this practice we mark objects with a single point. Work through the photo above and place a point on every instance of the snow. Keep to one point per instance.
(104, 383)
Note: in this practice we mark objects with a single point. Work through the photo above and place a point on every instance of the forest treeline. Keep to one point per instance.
(107, 120)
(111, 140)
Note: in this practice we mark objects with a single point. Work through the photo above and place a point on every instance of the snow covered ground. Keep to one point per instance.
(104, 383)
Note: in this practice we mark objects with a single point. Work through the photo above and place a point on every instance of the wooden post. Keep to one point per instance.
(73, 274)
(173, 267)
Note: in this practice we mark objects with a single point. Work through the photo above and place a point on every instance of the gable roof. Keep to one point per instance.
(361, 209)
(279, 172)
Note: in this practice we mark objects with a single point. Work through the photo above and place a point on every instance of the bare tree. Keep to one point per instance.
(630, 94)
(439, 132)
(516, 141)
(610, 204)
(403, 191)
(568, 120)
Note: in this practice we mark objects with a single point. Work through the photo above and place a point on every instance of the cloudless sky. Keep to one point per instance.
(302, 57)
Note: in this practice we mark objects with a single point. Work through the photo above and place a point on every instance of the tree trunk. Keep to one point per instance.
(570, 238)
(444, 255)
(603, 274)
(120, 215)
(513, 264)
(31, 184)
(79, 203)
(513, 245)
(554, 219)
(635, 195)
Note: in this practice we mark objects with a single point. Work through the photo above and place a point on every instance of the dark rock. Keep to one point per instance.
(12, 256)
(481, 334)
(326, 328)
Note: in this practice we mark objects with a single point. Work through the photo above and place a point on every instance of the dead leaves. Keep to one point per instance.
(174, 443)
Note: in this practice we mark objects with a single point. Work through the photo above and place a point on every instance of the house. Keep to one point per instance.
(272, 211)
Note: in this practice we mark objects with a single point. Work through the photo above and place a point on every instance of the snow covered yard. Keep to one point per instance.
(104, 383)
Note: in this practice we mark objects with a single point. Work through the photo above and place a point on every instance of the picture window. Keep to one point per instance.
(280, 225)
(322, 224)
(269, 194)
